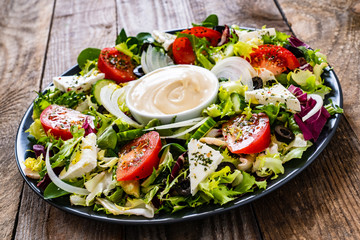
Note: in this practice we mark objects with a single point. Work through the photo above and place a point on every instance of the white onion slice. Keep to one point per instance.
(235, 68)
(316, 108)
(151, 59)
(58, 182)
(109, 96)
(187, 130)
(143, 62)
(186, 123)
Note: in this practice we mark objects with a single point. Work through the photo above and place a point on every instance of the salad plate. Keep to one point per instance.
(292, 168)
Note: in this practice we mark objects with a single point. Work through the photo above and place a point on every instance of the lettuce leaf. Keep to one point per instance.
(268, 164)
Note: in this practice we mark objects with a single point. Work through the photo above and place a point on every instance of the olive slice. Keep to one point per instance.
(294, 50)
(182, 188)
(224, 164)
(284, 134)
(138, 71)
(257, 83)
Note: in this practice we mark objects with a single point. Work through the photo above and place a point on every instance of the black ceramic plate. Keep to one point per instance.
(292, 168)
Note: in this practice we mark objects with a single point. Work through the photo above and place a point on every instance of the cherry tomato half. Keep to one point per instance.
(57, 120)
(138, 158)
(116, 65)
(273, 58)
(182, 50)
(247, 136)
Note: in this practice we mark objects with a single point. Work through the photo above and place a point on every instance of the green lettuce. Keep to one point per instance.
(268, 164)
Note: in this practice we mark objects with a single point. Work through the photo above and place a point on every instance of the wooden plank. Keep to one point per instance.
(333, 27)
(76, 25)
(139, 16)
(24, 27)
(323, 201)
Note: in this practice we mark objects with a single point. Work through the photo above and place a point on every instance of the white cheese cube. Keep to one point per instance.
(203, 161)
(255, 37)
(165, 39)
(83, 160)
(275, 94)
(77, 83)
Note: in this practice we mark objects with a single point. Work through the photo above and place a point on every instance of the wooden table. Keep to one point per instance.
(42, 38)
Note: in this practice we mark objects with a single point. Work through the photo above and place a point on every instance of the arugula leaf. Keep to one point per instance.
(88, 54)
(210, 22)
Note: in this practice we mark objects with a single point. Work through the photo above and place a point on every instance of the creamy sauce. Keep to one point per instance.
(173, 90)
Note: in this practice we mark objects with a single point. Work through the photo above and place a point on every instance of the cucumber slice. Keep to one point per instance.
(96, 88)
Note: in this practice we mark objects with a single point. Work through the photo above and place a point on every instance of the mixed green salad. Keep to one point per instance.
(87, 146)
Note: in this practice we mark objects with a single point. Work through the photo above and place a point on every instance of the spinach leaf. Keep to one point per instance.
(53, 191)
(87, 54)
(210, 22)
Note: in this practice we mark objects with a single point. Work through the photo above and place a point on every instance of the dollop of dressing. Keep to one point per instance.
(172, 90)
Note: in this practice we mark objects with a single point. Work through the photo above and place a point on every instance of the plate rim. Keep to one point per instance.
(193, 215)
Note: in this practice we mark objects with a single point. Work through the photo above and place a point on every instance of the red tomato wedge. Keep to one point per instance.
(57, 120)
(247, 136)
(138, 158)
(273, 58)
(116, 65)
(211, 35)
(182, 50)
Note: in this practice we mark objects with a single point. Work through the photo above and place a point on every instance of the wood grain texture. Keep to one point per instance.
(137, 16)
(76, 25)
(323, 201)
(333, 26)
(24, 33)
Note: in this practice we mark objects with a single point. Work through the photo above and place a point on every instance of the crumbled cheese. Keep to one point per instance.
(77, 83)
(275, 94)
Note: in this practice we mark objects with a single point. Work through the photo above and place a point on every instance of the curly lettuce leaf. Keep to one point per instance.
(268, 164)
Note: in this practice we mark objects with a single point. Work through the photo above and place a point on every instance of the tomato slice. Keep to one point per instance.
(138, 158)
(274, 58)
(57, 120)
(182, 50)
(211, 35)
(116, 65)
(247, 136)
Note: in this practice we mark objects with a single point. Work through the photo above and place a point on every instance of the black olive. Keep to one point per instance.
(183, 187)
(297, 52)
(144, 47)
(115, 128)
(138, 71)
(101, 109)
(257, 82)
(271, 82)
(284, 134)
(224, 164)
(218, 28)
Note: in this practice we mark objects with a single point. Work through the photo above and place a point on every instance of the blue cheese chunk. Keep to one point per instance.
(275, 94)
(203, 161)
(77, 83)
